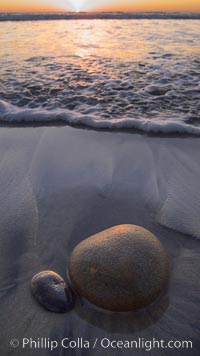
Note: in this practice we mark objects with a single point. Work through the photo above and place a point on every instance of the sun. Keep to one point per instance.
(78, 5)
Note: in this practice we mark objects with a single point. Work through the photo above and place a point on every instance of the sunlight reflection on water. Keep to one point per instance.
(108, 69)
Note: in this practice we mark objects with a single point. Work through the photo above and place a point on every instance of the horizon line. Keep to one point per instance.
(97, 12)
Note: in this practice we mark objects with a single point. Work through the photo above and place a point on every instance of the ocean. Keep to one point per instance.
(132, 74)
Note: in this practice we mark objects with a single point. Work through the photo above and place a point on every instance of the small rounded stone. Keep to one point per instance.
(51, 291)
(120, 269)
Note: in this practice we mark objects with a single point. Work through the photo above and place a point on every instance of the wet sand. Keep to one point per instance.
(61, 185)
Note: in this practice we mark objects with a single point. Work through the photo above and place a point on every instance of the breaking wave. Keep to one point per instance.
(104, 75)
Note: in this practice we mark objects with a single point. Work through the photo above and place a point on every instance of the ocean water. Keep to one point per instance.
(104, 74)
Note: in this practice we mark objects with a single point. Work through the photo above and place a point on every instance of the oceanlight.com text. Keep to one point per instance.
(104, 343)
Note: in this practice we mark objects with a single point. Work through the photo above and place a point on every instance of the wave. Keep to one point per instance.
(98, 15)
(13, 115)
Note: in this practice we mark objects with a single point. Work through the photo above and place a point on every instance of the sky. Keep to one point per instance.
(99, 5)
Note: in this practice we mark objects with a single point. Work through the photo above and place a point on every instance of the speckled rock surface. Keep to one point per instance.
(51, 291)
(122, 268)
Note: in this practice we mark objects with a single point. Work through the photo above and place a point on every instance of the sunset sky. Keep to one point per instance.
(100, 5)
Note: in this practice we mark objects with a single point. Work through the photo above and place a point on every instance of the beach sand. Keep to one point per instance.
(61, 185)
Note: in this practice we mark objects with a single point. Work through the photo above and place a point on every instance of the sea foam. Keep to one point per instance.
(105, 74)
(10, 114)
